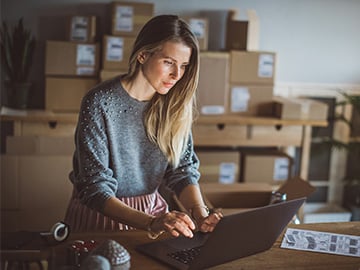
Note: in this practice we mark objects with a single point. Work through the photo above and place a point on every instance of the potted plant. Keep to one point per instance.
(17, 50)
(351, 191)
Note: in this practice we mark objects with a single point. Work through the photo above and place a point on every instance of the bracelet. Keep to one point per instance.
(151, 234)
(191, 210)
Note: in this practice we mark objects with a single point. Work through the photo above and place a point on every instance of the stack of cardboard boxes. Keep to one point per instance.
(127, 19)
(35, 188)
(72, 65)
(238, 81)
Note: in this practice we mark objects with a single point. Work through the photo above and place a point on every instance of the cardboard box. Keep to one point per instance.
(81, 29)
(200, 27)
(242, 196)
(250, 100)
(65, 58)
(252, 67)
(321, 212)
(41, 145)
(65, 94)
(213, 87)
(109, 74)
(128, 17)
(35, 191)
(276, 167)
(299, 108)
(116, 52)
(242, 34)
(219, 166)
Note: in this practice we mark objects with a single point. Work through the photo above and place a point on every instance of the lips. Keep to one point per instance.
(168, 85)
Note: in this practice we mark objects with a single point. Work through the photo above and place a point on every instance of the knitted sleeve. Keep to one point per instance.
(93, 178)
(186, 173)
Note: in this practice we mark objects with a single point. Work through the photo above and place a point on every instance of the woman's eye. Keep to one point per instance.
(168, 62)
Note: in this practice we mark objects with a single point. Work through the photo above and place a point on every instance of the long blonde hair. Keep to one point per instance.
(168, 118)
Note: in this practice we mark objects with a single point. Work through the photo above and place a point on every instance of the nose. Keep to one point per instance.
(176, 72)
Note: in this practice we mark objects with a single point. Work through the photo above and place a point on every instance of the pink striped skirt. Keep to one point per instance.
(81, 218)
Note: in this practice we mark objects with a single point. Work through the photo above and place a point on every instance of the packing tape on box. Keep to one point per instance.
(60, 231)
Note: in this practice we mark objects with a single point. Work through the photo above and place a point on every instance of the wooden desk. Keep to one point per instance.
(274, 258)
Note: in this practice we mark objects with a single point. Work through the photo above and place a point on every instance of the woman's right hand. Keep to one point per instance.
(176, 223)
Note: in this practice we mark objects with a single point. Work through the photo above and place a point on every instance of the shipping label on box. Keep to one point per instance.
(266, 65)
(251, 100)
(252, 68)
(68, 58)
(129, 17)
(200, 27)
(116, 52)
(85, 55)
(228, 172)
(81, 28)
(124, 18)
(219, 166)
(240, 99)
(114, 49)
(275, 167)
(281, 169)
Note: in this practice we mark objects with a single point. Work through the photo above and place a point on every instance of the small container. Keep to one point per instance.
(277, 197)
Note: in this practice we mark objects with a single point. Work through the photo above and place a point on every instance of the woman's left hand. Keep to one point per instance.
(207, 224)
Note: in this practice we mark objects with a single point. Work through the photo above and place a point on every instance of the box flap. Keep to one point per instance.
(296, 188)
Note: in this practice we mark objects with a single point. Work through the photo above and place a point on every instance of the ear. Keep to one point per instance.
(142, 56)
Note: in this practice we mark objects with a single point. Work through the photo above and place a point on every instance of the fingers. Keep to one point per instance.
(209, 223)
(178, 223)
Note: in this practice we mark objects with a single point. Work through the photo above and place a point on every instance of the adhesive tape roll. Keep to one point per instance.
(60, 231)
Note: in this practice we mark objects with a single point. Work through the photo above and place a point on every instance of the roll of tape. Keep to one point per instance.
(60, 231)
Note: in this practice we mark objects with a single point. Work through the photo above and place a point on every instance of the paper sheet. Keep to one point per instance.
(340, 244)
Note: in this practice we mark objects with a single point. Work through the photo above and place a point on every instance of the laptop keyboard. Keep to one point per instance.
(185, 256)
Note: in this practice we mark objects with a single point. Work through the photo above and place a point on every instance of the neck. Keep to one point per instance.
(139, 88)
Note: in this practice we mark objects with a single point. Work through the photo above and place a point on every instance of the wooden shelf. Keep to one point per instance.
(37, 116)
(252, 120)
(49, 116)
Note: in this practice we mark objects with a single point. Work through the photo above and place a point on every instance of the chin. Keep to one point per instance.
(163, 91)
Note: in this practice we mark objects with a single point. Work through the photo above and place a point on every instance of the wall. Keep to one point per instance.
(317, 41)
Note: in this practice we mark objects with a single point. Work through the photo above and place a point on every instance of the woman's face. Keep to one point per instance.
(165, 67)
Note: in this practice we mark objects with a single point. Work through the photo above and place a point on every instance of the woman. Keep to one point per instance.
(134, 134)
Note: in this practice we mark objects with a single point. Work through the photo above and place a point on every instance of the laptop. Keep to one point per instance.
(235, 236)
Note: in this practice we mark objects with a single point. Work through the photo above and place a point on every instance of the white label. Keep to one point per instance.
(115, 49)
(266, 65)
(281, 169)
(85, 71)
(239, 99)
(79, 28)
(124, 18)
(85, 55)
(212, 109)
(227, 172)
(198, 27)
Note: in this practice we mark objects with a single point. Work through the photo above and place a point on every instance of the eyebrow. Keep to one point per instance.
(173, 59)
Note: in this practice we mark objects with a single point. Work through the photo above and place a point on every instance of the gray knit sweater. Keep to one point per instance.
(113, 155)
